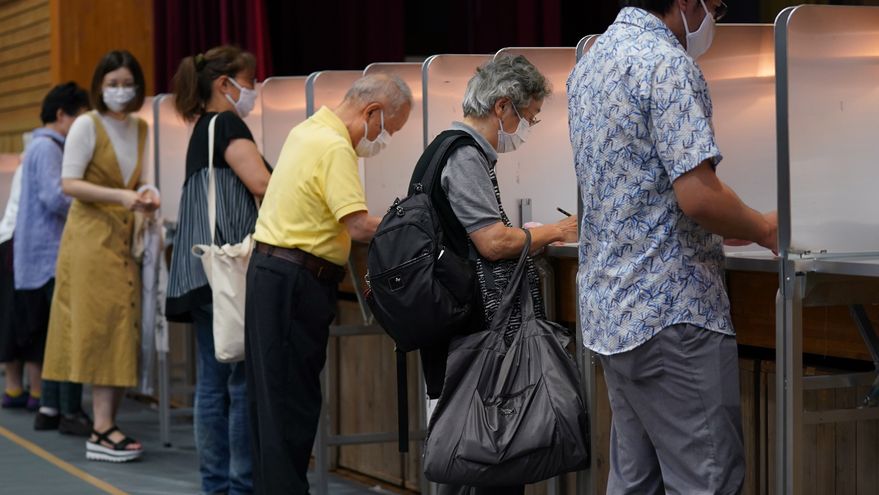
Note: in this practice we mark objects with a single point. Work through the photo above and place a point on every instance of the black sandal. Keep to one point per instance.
(117, 452)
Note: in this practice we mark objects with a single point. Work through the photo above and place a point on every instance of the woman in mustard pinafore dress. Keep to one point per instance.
(93, 329)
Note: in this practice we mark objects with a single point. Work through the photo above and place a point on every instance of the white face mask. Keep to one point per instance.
(507, 142)
(246, 99)
(700, 40)
(117, 99)
(366, 148)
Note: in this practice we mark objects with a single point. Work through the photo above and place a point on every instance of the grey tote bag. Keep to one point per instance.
(509, 414)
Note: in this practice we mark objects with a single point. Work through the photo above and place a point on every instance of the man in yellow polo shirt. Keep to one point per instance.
(313, 207)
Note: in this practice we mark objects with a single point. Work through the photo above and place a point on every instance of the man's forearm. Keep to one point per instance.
(726, 215)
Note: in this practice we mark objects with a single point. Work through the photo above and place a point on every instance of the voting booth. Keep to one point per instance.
(794, 110)
(444, 80)
(827, 68)
(386, 176)
(282, 109)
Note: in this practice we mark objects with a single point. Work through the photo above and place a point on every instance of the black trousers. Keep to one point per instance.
(287, 318)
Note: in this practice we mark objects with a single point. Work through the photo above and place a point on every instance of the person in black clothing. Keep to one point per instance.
(217, 83)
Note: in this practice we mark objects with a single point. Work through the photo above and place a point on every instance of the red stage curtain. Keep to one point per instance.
(187, 27)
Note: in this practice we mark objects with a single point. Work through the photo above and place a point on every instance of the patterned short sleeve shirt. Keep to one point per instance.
(640, 117)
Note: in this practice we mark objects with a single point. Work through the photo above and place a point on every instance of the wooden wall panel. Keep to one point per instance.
(84, 30)
(838, 459)
(827, 331)
(47, 42)
(749, 384)
(24, 68)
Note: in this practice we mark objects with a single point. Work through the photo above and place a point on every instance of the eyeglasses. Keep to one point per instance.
(720, 11)
(533, 121)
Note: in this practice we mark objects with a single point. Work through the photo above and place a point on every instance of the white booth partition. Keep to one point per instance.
(827, 97)
(254, 119)
(172, 140)
(147, 113)
(444, 79)
(832, 64)
(282, 108)
(539, 177)
(387, 175)
(585, 44)
(740, 70)
(328, 88)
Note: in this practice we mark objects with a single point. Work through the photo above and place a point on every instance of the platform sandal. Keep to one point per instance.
(116, 452)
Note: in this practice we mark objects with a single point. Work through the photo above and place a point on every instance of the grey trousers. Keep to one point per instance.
(677, 425)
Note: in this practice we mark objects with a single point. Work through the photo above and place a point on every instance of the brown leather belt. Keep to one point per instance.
(323, 270)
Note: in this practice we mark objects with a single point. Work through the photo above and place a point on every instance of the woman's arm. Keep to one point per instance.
(498, 242)
(93, 193)
(244, 159)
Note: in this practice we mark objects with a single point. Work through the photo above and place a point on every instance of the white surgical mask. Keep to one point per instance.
(507, 142)
(700, 40)
(366, 148)
(117, 99)
(246, 99)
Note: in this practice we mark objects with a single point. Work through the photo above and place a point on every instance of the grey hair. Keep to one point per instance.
(381, 87)
(504, 77)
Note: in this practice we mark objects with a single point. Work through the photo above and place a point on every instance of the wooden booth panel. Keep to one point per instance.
(368, 404)
(24, 68)
(364, 400)
(839, 459)
(827, 330)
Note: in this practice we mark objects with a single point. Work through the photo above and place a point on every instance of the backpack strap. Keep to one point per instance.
(427, 174)
(402, 402)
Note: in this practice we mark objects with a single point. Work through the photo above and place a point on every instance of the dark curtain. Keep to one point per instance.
(297, 37)
(314, 35)
(350, 34)
(481, 26)
(188, 27)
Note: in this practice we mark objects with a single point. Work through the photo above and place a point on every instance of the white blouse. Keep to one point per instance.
(80, 147)
(7, 225)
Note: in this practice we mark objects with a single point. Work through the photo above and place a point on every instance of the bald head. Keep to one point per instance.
(389, 90)
(375, 102)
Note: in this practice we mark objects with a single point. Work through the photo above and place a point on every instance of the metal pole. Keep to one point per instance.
(164, 400)
(789, 380)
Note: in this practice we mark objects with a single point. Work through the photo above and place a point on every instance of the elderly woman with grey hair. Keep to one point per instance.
(500, 105)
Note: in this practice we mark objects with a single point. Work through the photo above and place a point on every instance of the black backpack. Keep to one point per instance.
(421, 285)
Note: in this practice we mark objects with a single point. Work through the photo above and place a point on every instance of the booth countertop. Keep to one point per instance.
(866, 265)
(746, 261)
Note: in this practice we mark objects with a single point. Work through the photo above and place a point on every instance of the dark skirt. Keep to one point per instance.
(24, 315)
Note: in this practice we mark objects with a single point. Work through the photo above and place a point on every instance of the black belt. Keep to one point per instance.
(323, 270)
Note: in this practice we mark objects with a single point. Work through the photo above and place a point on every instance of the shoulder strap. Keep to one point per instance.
(427, 174)
(52, 139)
(402, 403)
(212, 182)
(439, 159)
(431, 165)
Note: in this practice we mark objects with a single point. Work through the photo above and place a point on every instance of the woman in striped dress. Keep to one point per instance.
(218, 83)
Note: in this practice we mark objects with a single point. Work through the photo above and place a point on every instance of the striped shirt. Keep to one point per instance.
(236, 213)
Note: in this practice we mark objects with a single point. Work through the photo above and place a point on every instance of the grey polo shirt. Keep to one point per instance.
(467, 183)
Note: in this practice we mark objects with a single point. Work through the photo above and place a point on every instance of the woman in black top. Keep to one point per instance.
(219, 82)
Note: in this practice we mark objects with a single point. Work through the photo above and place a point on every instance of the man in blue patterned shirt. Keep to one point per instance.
(650, 284)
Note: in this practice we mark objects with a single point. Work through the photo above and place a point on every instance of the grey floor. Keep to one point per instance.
(165, 471)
